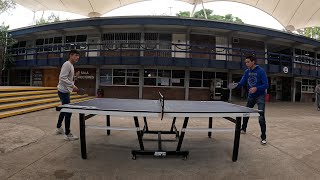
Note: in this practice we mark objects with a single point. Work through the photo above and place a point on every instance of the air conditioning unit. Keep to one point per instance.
(235, 40)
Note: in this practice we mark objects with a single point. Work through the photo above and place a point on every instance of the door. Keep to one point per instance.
(286, 89)
(298, 91)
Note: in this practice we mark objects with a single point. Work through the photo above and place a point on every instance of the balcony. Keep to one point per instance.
(179, 55)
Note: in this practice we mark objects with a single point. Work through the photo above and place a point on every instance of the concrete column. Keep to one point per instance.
(293, 90)
(31, 83)
(63, 43)
(230, 81)
(97, 79)
(186, 84)
(229, 51)
(293, 86)
(188, 41)
(141, 82)
(142, 40)
(266, 55)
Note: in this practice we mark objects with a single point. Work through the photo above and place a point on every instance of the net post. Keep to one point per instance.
(162, 104)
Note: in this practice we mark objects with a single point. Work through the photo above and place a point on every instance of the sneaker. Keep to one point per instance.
(70, 137)
(59, 131)
(318, 108)
(263, 142)
(243, 131)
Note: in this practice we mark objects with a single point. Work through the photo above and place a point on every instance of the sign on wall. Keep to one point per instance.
(87, 75)
(86, 80)
(37, 77)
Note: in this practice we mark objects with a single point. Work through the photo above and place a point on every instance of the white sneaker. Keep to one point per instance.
(59, 131)
(70, 137)
(263, 142)
(243, 131)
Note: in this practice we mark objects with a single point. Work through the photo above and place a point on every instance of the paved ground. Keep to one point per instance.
(29, 150)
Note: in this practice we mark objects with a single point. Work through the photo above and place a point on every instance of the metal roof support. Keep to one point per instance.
(194, 8)
(204, 10)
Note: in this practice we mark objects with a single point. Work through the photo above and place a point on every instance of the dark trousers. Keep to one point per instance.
(318, 100)
(260, 101)
(65, 99)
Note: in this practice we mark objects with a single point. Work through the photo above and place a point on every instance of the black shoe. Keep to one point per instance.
(242, 131)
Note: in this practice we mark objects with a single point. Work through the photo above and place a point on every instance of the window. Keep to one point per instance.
(106, 77)
(119, 77)
(204, 79)
(164, 78)
(125, 40)
(49, 44)
(305, 57)
(19, 47)
(154, 77)
(70, 39)
(23, 77)
(5, 78)
(81, 38)
(178, 78)
(207, 78)
(308, 85)
(76, 42)
(195, 79)
(158, 41)
(150, 77)
(132, 77)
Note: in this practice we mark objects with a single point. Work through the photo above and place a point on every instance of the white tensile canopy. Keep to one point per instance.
(292, 14)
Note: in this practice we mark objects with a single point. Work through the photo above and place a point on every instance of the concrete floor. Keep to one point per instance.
(30, 150)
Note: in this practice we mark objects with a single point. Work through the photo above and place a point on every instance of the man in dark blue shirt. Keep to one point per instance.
(257, 83)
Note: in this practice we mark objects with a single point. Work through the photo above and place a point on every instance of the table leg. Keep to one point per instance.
(210, 127)
(139, 133)
(82, 123)
(108, 124)
(236, 139)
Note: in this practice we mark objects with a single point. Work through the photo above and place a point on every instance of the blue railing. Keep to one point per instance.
(45, 55)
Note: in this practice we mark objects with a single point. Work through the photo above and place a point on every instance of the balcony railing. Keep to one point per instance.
(42, 54)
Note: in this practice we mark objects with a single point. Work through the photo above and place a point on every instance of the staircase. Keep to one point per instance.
(16, 100)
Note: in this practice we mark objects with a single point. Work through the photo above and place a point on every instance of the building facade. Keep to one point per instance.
(185, 59)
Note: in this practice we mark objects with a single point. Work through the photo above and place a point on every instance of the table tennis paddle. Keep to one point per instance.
(232, 85)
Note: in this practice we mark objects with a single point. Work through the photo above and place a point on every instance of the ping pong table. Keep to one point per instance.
(162, 109)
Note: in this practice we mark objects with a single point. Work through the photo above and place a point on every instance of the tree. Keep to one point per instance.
(6, 60)
(5, 39)
(6, 5)
(52, 18)
(184, 14)
(311, 32)
(200, 15)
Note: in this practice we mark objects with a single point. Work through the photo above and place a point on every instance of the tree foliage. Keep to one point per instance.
(6, 5)
(311, 32)
(52, 18)
(201, 15)
(6, 61)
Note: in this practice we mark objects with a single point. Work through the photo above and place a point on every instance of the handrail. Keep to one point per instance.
(204, 49)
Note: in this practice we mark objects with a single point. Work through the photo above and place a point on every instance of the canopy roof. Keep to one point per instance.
(292, 14)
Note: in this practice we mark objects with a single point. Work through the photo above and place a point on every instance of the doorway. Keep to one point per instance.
(298, 91)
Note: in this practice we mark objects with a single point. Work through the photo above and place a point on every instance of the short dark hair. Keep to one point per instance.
(73, 51)
(252, 58)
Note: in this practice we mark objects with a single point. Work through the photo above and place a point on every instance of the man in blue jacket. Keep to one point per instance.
(256, 79)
